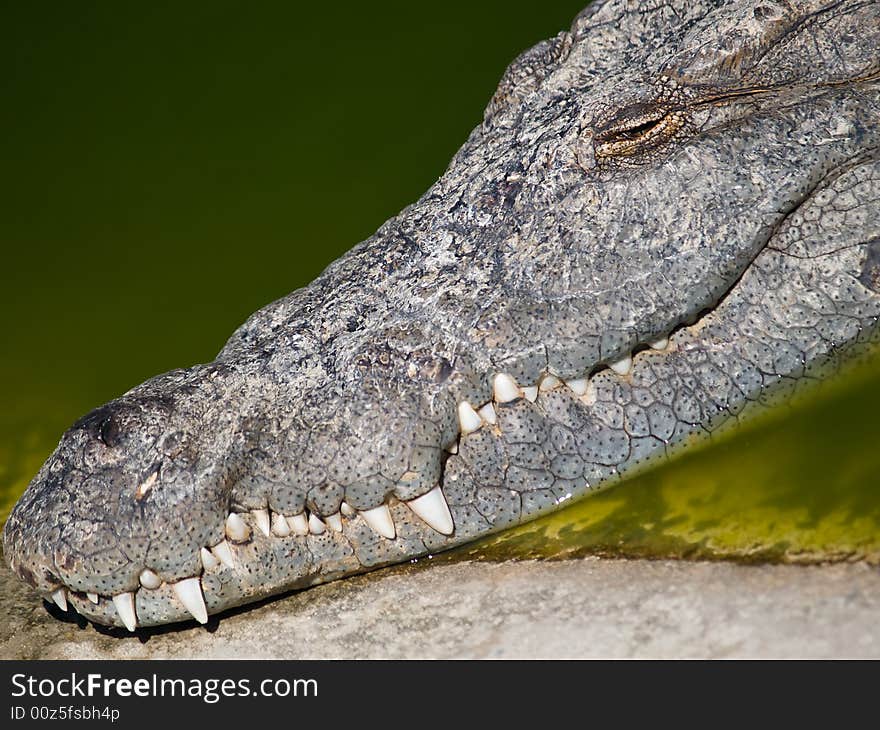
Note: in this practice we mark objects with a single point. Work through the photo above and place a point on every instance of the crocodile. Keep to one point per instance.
(668, 217)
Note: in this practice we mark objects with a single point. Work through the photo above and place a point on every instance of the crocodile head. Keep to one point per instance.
(665, 216)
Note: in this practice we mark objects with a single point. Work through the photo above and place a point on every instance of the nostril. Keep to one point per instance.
(102, 423)
(108, 431)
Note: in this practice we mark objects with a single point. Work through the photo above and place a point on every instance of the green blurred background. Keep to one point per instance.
(169, 169)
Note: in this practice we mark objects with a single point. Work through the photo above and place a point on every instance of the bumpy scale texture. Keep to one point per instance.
(670, 213)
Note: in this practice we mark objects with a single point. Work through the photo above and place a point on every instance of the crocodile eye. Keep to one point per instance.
(638, 129)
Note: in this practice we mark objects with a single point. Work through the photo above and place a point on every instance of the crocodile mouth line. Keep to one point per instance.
(242, 528)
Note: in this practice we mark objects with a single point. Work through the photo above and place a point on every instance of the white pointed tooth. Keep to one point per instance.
(531, 393)
(433, 510)
(589, 398)
(209, 560)
(261, 517)
(505, 388)
(316, 527)
(124, 603)
(93, 597)
(149, 579)
(660, 344)
(379, 518)
(487, 413)
(453, 449)
(548, 382)
(468, 419)
(579, 386)
(347, 509)
(334, 522)
(622, 366)
(299, 524)
(223, 553)
(189, 591)
(279, 525)
(236, 528)
(60, 598)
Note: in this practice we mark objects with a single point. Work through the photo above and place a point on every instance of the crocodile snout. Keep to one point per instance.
(172, 502)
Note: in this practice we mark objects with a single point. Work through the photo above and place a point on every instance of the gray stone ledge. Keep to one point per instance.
(577, 608)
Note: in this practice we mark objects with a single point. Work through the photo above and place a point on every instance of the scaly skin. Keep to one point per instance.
(702, 169)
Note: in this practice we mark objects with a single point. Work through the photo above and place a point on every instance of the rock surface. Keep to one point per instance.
(576, 608)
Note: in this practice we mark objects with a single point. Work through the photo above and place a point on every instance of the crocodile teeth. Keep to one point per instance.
(379, 518)
(334, 522)
(487, 413)
(60, 598)
(468, 419)
(189, 591)
(433, 510)
(209, 560)
(590, 396)
(531, 393)
(223, 553)
(622, 366)
(236, 528)
(261, 517)
(124, 603)
(93, 597)
(279, 525)
(579, 386)
(299, 524)
(548, 382)
(149, 579)
(347, 509)
(505, 388)
(453, 449)
(660, 344)
(316, 527)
